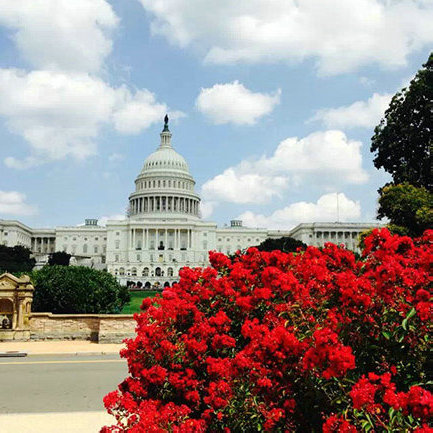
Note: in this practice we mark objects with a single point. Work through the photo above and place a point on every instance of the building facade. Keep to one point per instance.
(163, 231)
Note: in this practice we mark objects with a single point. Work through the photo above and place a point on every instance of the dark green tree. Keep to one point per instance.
(16, 259)
(285, 244)
(403, 140)
(77, 289)
(61, 258)
(409, 209)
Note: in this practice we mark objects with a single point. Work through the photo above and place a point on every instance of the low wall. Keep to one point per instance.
(103, 328)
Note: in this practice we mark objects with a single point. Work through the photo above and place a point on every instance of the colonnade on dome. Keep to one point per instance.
(164, 203)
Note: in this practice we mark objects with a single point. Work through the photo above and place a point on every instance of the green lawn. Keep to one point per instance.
(136, 299)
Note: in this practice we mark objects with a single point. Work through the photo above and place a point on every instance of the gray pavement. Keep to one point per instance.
(53, 383)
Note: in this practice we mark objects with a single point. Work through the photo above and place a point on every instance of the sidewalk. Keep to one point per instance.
(64, 347)
(70, 422)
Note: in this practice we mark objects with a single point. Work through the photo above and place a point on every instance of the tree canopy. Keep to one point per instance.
(61, 258)
(409, 209)
(403, 140)
(285, 244)
(16, 259)
(77, 289)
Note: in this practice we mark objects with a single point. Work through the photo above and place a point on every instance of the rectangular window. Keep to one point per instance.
(95, 249)
(117, 245)
(138, 258)
(116, 258)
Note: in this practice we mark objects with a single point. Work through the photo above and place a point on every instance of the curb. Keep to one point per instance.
(13, 354)
(72, 353)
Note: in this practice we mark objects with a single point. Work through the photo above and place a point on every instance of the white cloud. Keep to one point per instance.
(234, 103)
(138, 111)
(367, 82)
(242, 185)
(325, 158)
(14, 203)
(363, 114)
(102, 221)
(325, 209)
(207, 208)
(60, 114)
(116, 157)
(61, 34)
(341, 35)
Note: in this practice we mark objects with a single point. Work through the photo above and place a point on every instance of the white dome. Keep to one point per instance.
(164, 188)
(165, 159)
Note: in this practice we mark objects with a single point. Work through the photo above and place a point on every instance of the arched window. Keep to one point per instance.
(116, 272)
(145, 272)
(170, 272)
(122, 271)
(134, 272)
(158, 272)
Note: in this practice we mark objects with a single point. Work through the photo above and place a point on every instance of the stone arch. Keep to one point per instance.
(170, 272)
(6, 313)
(158, 271)
(6, 306)
(147, 285)
(166, 284)
(145, 272)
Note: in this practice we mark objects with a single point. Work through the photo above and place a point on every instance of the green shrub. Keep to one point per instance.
(77, 289)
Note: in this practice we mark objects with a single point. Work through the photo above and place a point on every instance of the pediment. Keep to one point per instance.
(11, 282)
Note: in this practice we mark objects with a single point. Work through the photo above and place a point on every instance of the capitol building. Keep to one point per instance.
(163, 231)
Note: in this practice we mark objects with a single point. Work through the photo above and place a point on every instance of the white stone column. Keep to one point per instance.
(166, 239)
(156, 239)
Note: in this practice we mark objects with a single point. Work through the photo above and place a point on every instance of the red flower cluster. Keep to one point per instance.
(310, 341)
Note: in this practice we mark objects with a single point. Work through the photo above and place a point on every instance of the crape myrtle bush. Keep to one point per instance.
(301, 342)
(77, 289)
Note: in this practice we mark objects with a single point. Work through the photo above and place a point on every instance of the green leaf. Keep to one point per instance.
(386, 334)
(411, 313)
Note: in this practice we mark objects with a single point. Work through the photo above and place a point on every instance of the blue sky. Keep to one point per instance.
(273, 103)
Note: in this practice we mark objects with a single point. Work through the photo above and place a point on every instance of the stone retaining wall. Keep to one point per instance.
(103, 328)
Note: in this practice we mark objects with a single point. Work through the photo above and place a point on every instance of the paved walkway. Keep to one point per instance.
(59, 347)
(64, 422)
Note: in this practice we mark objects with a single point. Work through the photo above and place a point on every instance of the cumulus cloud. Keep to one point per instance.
(234, 103)
(363, 114)
(240, 185)
(14, 203)
(137, 111)
(102, 221)
(61, 34)
(341, 35)
(327, 158)
(207, 208)
(60, 114)
(325, 209)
